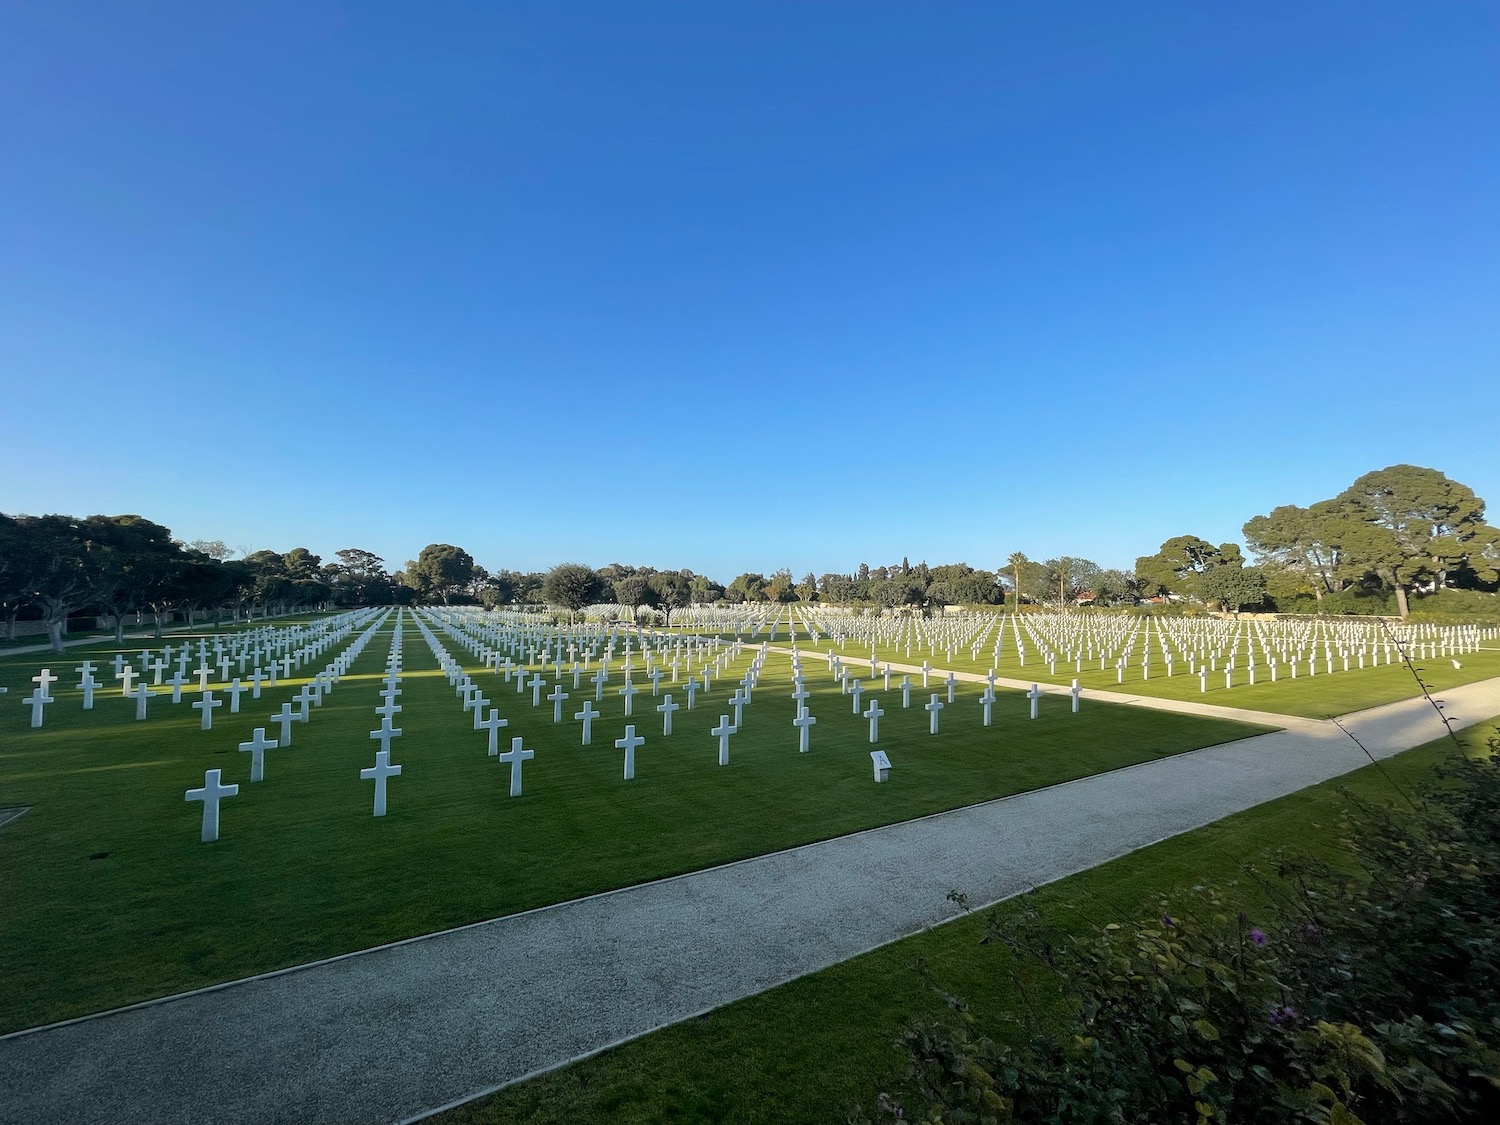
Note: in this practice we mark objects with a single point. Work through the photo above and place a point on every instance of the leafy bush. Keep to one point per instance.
(1363, 994)
(1457, 607)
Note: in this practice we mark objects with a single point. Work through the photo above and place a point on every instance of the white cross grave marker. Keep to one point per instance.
(492, 723)
(515, 756)
(629, 744)
(256, 748)
(211, 794)
(722, 733)
(205, 708)
(666, 707)
(802, 722)
(378, 773)
(932, 709)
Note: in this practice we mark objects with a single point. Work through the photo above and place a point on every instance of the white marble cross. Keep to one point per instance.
(587, 717)
(692, 690)
(142, 696)
(385, 734)
(666, 707)
(738, 701)
(378, 773)
(856, 690)
(802, 722)
(127, 679)
(905, 691)
(1075, 691)
(722, 733)
(629, 744)
(37, 700)
(211, 794)
(256, 748)
(45, 679)
(286, 719)
(480, 703)
(205, 707)
(514, 757)
(629, 691)
(599, 678)
(235, 690)
(988, 699)
(951, 681)
(932, 710)
(873, 713)
(1035, 695)
(492, 723)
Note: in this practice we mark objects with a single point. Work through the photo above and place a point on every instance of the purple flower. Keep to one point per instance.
(1168, 921)
(1280, 1015)
(1258, 936)
(1312, 929)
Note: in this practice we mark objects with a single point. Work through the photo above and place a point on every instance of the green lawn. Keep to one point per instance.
(811, 1049)
(104, 639)
(110, 898)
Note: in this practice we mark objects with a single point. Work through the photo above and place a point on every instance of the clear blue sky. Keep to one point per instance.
(737, 286)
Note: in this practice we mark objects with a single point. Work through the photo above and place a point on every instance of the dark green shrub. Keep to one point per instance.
(1367, 994)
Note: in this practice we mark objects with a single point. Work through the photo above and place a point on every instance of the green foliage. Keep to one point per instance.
(1401, 526)
(1233, 587)
(747, 587)
(634, 592)
(671, 591)
(1182, 560)
(571, 586)
(1366, 994)
(440, 572)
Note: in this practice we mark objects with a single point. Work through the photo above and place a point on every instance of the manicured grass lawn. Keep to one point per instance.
(171, 634)
(110, 898)
(811, 1049)
(1314, 697)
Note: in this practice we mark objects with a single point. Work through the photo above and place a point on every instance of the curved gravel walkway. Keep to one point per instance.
(391, 1034)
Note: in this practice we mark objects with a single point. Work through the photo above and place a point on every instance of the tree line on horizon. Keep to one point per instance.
(1394, 532)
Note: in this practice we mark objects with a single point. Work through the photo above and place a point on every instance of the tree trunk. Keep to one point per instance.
(1318, 593)
(1401, 600)
(157, 615)
(119, 628)
(56, 618)
(10, 623)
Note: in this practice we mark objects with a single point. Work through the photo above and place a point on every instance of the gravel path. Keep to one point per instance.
(392, 1033)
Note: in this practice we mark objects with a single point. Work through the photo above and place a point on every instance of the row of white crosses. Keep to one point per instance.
(308, 641)
(630, 742)
(1144, 644)
(383, 770)
(722, 732)
(215, 791)
(473, 700)
(850, 685)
